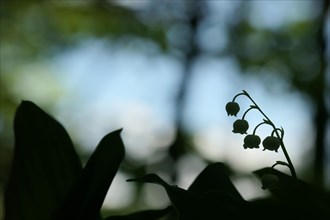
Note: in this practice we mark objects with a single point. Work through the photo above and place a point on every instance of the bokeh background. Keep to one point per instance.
(163, 71)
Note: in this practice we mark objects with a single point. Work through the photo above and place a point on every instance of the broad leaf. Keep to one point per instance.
(187, 204)
(215, 177)
(45, 165)
(209, 204)
(85, 201)
(302, 197)
(143, 215)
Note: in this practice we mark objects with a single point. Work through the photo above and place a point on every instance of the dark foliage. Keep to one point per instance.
(48, 182)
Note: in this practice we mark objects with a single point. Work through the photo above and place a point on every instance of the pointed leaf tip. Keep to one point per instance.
(25, 102)
(44, 160)
(215, 176)
(116, 141)
(26, 105)
(87, 197)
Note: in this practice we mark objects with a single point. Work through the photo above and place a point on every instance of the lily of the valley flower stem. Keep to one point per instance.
(251, 141)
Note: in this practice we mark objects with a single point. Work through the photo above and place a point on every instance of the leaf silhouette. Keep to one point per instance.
(300, 197)
(186, 203)
(215, 177)
(142, 215)
(85, 201)
(45, 165)
(209, 204)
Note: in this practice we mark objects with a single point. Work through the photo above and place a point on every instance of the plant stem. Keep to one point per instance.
(242, 93)
(255, 129)
(247, 112)
(291, 167)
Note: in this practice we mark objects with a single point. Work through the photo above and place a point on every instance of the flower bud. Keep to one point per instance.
(251, 141)
(271, 143)
(232, 108)
(269, 181)
(240, 126)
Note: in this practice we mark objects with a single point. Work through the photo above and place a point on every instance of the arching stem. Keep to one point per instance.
(242, 93)
(255, 129)
(281, 130)
(281, 163)
(290, 165)
(252, 107)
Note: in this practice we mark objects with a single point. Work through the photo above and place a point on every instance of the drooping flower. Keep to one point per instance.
(251, 141)
(240, 126)
(232, 108)
(271, 143)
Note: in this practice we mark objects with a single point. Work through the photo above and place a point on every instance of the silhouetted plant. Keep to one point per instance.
(217, 198)
(48, 182)
(272, 142)
(211, 190)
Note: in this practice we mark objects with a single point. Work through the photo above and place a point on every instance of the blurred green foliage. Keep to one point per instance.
(32, 29)
(294, 52)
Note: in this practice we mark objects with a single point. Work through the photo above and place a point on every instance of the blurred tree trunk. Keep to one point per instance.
(321, 115)
(179, 145)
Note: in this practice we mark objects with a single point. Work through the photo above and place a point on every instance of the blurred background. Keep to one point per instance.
(163, 71)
